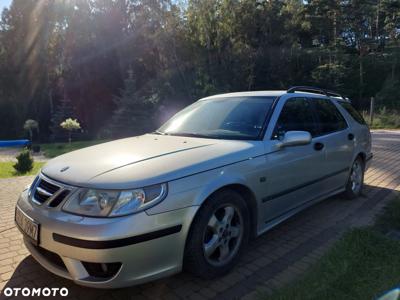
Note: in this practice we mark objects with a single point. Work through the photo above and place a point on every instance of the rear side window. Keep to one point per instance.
(352, 112)
(296, 115)
(329, 117)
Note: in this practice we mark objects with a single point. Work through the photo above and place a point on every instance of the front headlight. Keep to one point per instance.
(110, 203)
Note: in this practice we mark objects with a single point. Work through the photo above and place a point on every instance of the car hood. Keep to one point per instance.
(145, 160)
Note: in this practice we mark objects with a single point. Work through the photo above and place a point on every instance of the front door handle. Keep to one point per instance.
(350, 136)
(318, 146)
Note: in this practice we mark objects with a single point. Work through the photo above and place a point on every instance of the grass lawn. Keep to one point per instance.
(361, 265)
(7, 170)
(56, 149)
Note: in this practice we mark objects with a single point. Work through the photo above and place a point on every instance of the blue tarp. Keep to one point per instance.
(14, 143)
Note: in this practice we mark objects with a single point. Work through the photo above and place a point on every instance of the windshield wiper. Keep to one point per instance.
(206, 136)
(158, 132)
(190, 134)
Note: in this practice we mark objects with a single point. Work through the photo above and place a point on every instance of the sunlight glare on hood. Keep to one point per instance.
(121, 159)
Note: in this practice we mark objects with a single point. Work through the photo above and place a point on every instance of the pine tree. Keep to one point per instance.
(133, 113)
(63, 111)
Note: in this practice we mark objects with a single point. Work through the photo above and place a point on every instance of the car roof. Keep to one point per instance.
(302, 91)
(273, 93)
(248, 94)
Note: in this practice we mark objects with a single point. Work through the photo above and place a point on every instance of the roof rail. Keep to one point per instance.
(315, 90)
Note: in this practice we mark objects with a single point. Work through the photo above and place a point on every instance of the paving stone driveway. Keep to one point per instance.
(271, 261)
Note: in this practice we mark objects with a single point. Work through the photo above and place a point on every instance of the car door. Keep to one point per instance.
(338, 141)
(293, 173)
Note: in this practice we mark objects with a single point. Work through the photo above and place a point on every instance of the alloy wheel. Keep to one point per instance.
(223, 235)
(356, 177)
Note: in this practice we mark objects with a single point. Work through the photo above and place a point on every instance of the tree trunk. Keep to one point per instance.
(334, 29)
(394, 65)
(361, 83)
(378, 11)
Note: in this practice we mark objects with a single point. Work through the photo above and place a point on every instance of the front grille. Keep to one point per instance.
(59, 198)
(51, 188)
(45, 190)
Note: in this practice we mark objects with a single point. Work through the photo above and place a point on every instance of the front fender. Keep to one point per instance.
(214, 185)
(195, 189)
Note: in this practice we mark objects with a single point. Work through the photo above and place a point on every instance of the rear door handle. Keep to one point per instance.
(318, 146)
(350, 136)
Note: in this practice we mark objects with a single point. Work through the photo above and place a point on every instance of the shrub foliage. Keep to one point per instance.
(24, 162)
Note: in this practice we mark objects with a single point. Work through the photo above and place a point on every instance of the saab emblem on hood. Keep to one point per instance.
(64, 169)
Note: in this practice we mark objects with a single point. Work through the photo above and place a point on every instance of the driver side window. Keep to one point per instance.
(296, 115)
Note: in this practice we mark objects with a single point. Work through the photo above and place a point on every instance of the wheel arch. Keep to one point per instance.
(362, 155)
(249, 198)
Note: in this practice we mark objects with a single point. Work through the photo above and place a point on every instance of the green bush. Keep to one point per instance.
(24, 162)
(384, 118)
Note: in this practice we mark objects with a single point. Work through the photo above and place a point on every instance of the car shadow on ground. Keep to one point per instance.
(264, 258)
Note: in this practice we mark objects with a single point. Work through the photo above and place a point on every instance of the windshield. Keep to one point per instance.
(225, 118)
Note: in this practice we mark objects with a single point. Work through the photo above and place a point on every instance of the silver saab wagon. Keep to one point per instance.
(190, 195)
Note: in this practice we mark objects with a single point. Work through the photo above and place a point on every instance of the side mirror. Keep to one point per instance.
(296, 138)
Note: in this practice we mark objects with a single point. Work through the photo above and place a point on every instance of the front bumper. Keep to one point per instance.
(109, 252)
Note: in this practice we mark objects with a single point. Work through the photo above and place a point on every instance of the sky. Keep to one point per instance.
(4, 3)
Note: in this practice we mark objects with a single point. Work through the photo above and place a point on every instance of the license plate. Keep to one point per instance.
(28, 226)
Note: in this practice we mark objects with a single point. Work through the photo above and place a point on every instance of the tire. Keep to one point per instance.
(355, 182)
(218, 235)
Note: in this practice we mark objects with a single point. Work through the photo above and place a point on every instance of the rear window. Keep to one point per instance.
(353, 112)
